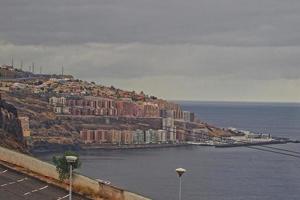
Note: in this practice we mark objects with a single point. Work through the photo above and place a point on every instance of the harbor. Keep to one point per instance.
(243, 138)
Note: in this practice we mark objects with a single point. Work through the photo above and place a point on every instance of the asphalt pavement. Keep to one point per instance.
(15, 186)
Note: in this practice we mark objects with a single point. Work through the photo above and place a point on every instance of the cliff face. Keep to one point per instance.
(7, 140)
(11, 131)
(9, 121)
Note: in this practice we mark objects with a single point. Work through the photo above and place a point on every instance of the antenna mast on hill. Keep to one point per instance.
(12, 61)
(32, 67)
(21, 65)
(40, 69)
(62, 70)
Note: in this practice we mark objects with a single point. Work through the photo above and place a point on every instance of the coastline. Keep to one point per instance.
(83, 147)
(131, 146)
(57, 148)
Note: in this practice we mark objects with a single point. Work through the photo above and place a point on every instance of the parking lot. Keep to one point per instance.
(15, 186)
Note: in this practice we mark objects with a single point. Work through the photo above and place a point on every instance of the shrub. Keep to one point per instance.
(62, 166)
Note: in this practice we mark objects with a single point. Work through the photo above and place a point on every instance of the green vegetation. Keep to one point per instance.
(62, 166)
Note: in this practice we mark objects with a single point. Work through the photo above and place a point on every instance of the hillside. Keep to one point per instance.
(9, 141)
(61, 110)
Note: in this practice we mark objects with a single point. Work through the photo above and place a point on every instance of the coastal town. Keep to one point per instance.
(59, 111)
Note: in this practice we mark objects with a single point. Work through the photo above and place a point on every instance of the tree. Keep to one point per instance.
(62, 166)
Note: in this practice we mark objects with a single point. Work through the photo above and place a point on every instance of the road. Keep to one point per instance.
(15, 186)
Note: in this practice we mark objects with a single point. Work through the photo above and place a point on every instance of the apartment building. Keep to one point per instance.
(138, 137)
(57, 101)
(118, 137)
(169, 126)
(161, 136)
(127, 137)
(151, 110)
(188, 116)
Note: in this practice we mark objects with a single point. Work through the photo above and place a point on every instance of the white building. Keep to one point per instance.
(57, 101)
(186, 116)
(147, 137)
(161, 136)
(139, 137)
(169, 126)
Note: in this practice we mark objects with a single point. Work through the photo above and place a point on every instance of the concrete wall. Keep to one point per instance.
(81, 184)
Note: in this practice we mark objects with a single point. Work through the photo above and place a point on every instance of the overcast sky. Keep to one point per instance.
(222, 50)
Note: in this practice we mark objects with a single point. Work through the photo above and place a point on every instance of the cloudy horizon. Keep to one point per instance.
(230, 50)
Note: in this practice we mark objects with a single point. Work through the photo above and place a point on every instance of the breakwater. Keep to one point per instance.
(249, 144)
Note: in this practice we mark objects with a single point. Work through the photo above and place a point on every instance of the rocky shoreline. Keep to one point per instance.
(53, 148)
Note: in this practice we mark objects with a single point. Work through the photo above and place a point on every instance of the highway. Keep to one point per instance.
(15, 186)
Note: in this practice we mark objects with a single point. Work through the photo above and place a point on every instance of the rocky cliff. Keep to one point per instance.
(9, 121)
(10, 128)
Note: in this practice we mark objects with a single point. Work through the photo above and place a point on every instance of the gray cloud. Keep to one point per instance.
(206, 49)
(210, 22)
(128, 61)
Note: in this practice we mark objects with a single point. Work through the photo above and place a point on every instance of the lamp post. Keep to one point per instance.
(180, 172)
(70, 160)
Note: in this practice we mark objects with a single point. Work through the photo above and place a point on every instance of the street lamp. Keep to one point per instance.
(180, 172)
(70, 160)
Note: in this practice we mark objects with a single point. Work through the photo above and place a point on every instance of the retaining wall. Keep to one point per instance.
(81, 184)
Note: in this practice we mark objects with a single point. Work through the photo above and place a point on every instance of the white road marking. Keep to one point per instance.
(3, 172)
(36, 190)
(42, 188)
(13, 182)
(20, 180)
(10, 183)
(27, 193)
(63, 197)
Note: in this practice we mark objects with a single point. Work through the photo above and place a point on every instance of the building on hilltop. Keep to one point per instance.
(57, 101)
(151, 110)
(167, 113)
(59, 105)
(188, 116)
(7, 72)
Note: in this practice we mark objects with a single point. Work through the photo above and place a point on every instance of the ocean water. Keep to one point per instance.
(280, 119)
(212, 173)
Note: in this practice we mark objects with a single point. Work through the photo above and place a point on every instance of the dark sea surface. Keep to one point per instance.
(212, 174)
